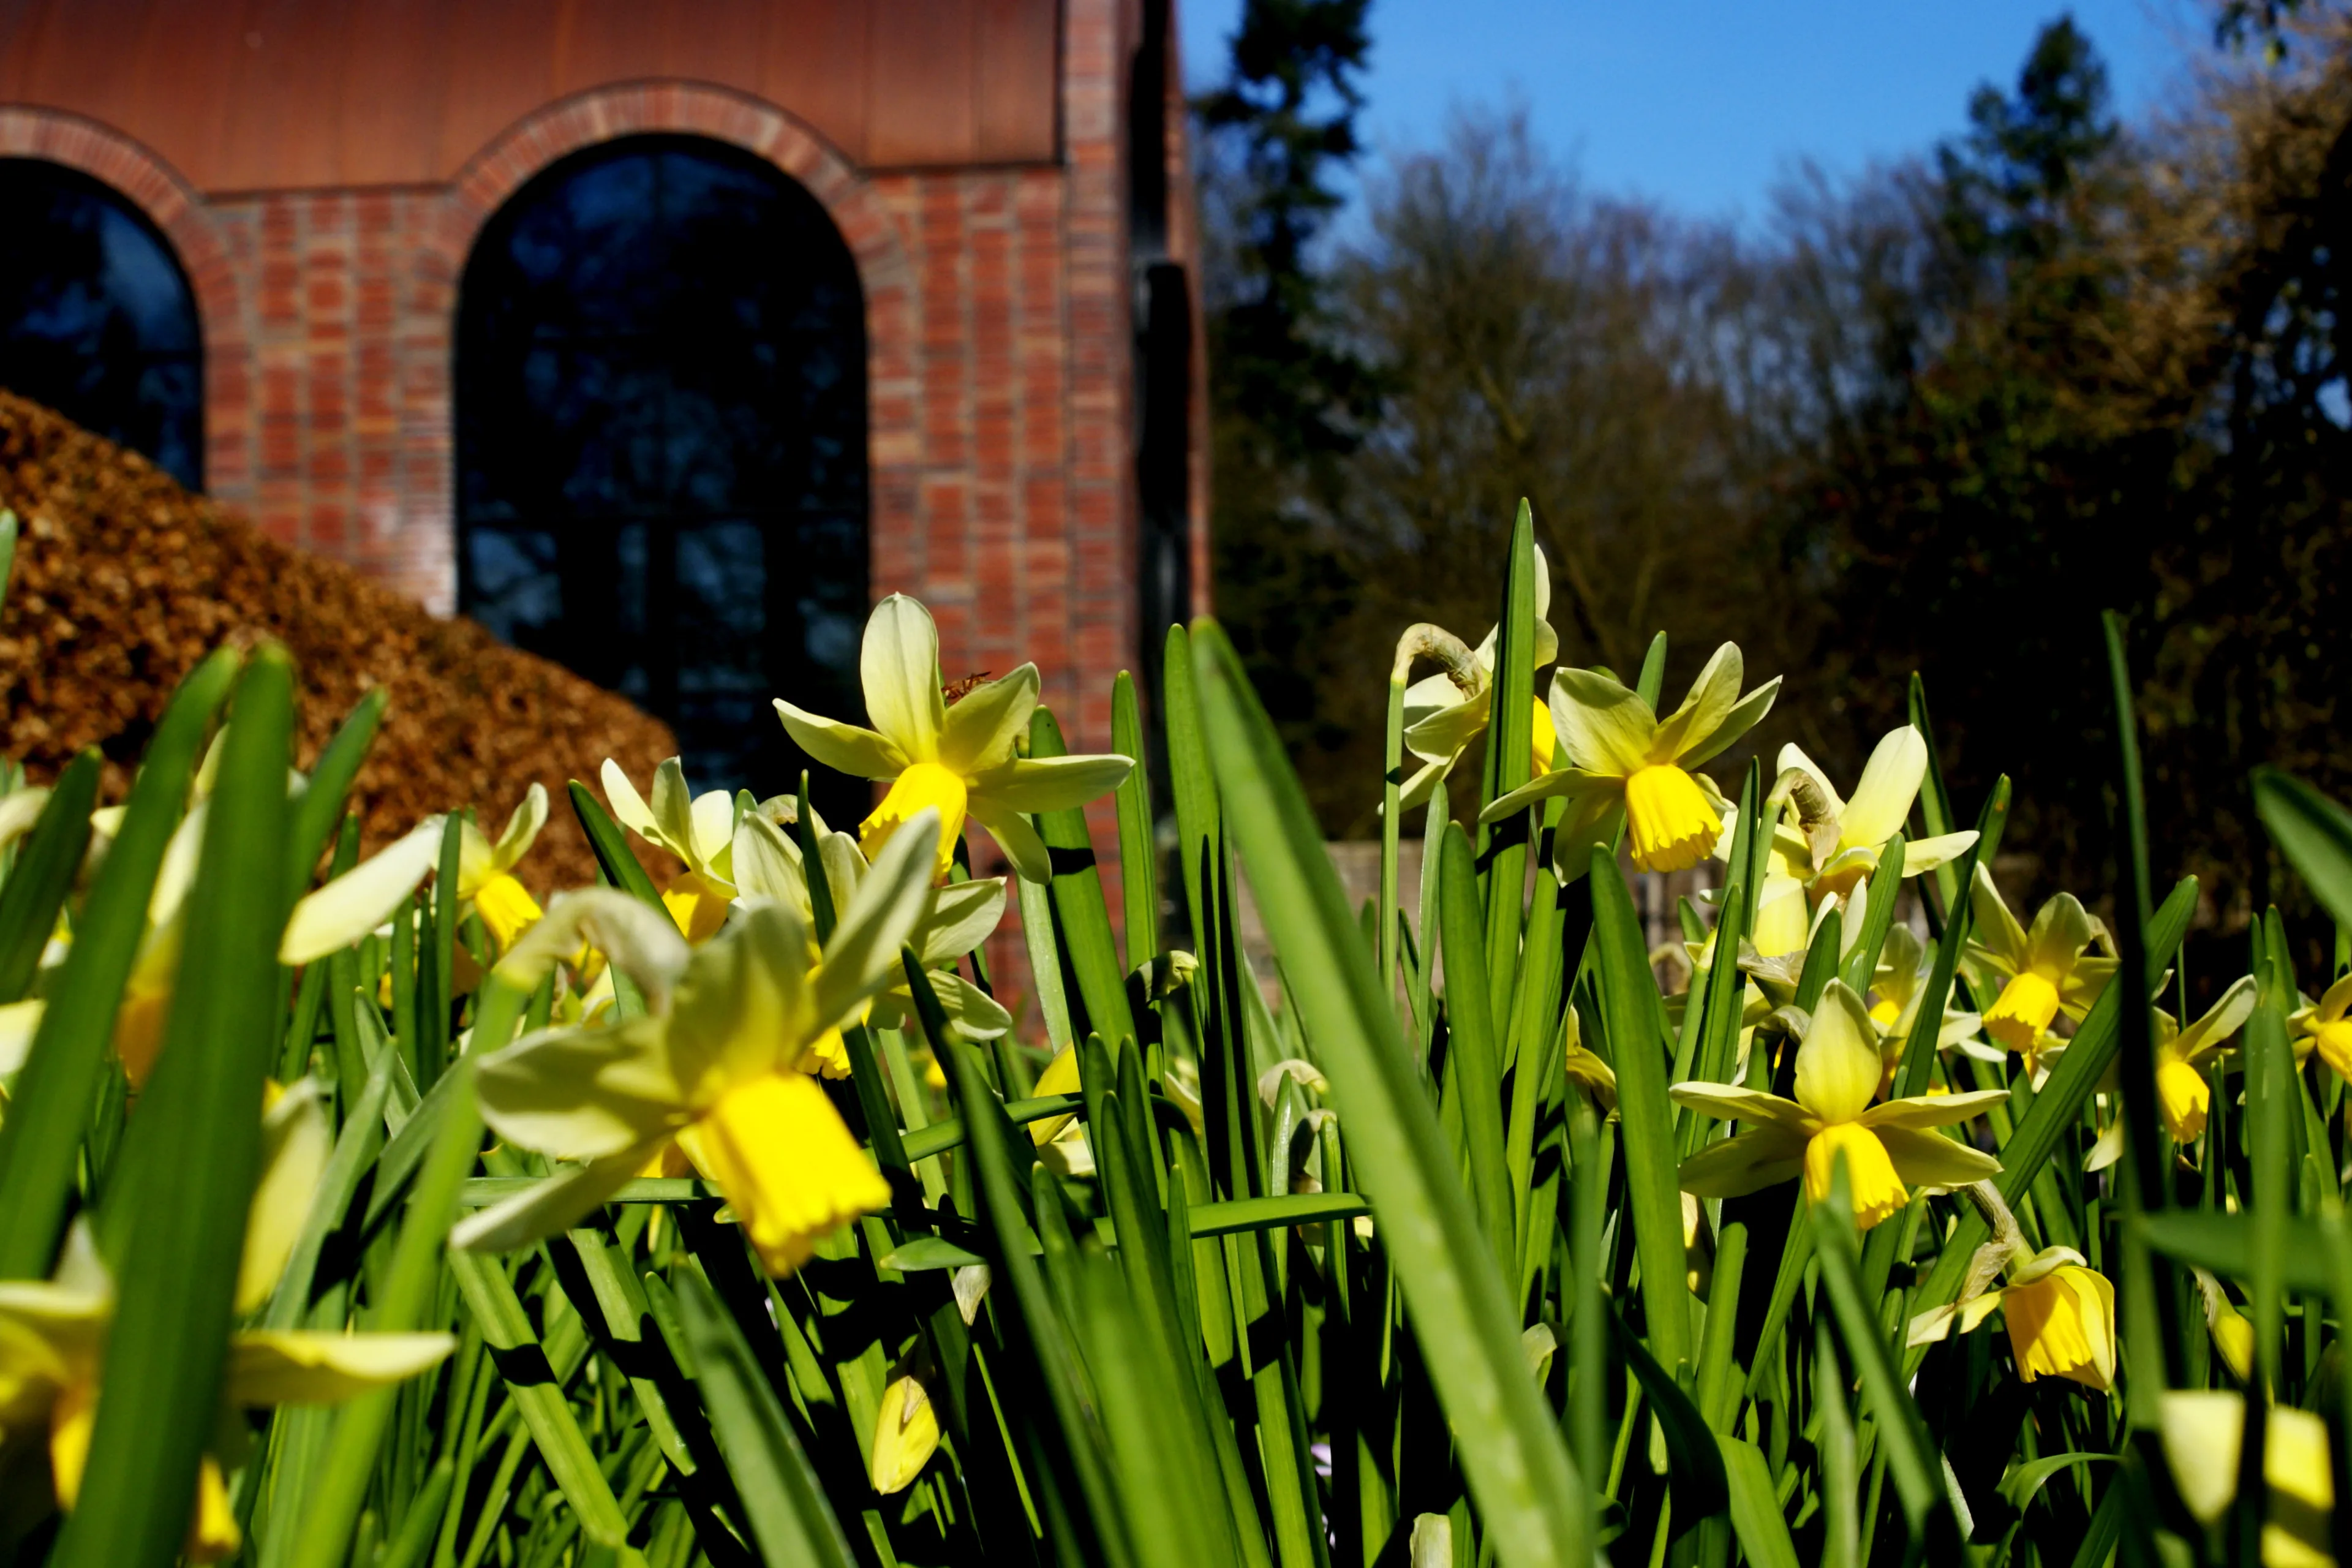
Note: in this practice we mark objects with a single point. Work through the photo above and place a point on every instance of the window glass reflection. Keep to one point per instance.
(97, 320)
(661, 434)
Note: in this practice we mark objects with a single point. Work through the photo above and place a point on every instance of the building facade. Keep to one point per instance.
(662, 335)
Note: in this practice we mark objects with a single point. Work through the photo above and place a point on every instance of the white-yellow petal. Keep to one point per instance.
(890, 902)
(347, 909)
(899, 666)
(1838, 1064)
(845, 748)
(272, 1367)
(1890, 783)
(1604, 728)
(552, 1206)
(982, 725)
(295, 1144)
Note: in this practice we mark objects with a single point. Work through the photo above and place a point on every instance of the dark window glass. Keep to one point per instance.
(97, 320)
(661, 444)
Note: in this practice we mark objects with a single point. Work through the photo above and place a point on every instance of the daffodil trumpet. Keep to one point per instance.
(1622, 760)
(1886, 1148)
(955, 762)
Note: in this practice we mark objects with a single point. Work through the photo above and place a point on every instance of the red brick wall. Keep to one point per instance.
(999, 328)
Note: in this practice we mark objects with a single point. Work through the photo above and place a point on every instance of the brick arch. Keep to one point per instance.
(885, 273)
(179, 214)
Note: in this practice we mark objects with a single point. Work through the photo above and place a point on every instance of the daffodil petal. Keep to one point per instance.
(353, 905)
(555, 1206)
(899, 666)
(1562, 782)
(267, 1367)
(1838, 1064)
(1052, 783)
(1932, 1160)
(295, 1144)
(892, 900)
(1936, 849)
(1760, 1158)
(583, 1094)
(982, 726)
(2223, 1019)
(963, 915)
(1745, 715)
(767, 863)
(1447, 730)
(1934, 1110)
(628, 808)
(1016, 836)
(1604, 727)
(1730, 1102)
(1710, 699)
(522, 828)
(2061, 929)
(1996, 929)
(845, 748)
(1889, 783)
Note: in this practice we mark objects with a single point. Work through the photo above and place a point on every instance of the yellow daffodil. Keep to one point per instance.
(2181, 1054)
(699, 829)
(1900, 986)
(2204, 1432)
(486, 877)
(961, 915)
(2323, 1025)
(1884, 1145)
(956, 760)
(2049, 968)
(2182, 1094)
(1842, 845)
(1583, 1068)
(2060, 1314)
(715, 1066)
(53, 1336)
(905, 1434)
(1621, 757)
(1447, 712)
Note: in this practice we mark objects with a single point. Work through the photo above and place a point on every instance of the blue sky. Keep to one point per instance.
(1704, 104)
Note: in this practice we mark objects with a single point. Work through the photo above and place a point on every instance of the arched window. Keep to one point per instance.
(661, 444)
(97, 320)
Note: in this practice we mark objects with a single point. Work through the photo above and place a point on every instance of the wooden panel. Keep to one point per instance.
(273, 94)
(922, 80)
(1014, 54)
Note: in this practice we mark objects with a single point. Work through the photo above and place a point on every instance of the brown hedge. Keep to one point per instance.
(123, 580)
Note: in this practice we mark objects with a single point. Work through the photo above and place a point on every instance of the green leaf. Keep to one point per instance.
(54, 1092)
(1629, 1006)
(1503, 845)
(537, 1394)
(922, 1252)
(1237, 1216)
(2225, 1245)
(191, 1157)
(1460, 1305)
(1474, 1077)
(44, 874)
(786, 1509)
(1139, 863)
(2314, 833)
(1756, 1516)
(1080, 915)
(320, 805)
(1697, 1471)
(611, 846)
(2026, 1478)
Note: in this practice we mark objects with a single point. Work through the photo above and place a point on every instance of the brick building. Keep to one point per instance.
(756, 309)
